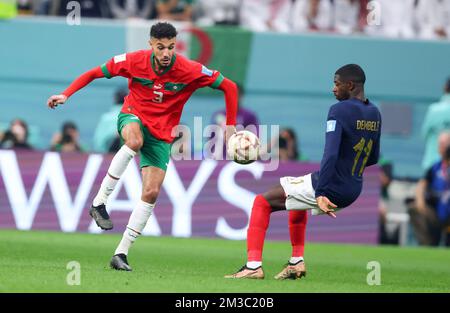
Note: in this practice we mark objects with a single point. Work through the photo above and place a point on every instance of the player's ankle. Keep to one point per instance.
(97, 202)
(254, 264)
(295, 260)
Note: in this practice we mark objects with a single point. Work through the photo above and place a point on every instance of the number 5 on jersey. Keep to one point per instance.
(159, 96)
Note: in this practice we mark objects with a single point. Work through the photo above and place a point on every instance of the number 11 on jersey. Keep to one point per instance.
(359, 148)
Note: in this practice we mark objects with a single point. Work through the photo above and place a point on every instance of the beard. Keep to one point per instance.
(161, 65)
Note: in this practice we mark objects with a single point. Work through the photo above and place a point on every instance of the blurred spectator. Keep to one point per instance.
(218, 12)
(39, 7)
(89, 8)
(266, 15)
(288, 146)
(430, 214)
(123, 9)
(16, 136)
(436, 120)
(175, 10)
(312, 15)
(25, 7)
(287, 149)
(433, 17)
(67, 140)
(346, 16)
(106, 137)
(386, 235)
(396, 19)
(363, 11)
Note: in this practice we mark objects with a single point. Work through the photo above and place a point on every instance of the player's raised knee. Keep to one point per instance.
(134, 144)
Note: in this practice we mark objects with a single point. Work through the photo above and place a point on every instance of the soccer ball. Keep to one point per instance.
(243, 147)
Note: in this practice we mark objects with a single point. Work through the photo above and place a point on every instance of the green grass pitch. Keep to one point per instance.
(36, 262)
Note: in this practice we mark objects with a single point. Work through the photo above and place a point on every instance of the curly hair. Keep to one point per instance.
(162, 30)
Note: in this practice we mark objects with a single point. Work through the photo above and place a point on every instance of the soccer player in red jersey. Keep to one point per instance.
(160, 83)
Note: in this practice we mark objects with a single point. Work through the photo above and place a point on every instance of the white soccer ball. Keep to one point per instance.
(243, 147)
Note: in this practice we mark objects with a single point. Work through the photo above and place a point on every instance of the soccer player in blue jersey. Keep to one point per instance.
(352, 142)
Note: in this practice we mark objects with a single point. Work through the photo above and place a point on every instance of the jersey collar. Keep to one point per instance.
(366, 101)
(152, 59)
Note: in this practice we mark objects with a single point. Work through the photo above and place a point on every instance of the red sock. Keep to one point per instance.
(297, 229)
(259, 221)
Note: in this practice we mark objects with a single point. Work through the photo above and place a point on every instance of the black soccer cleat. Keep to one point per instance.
(119, 262)
(101, 217)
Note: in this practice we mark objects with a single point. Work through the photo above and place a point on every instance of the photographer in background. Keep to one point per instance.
(67, 140)
(386, 233)
(16, 137)
(430, 214)
(288, 148)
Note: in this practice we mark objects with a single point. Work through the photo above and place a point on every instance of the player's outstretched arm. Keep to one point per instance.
(231, 92)
(76, 85)
(333, 137)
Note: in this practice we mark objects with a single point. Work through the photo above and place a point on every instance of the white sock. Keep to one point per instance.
(254, 264)
(118, 165)
(136, 224)
(106, 188)
(296, 259)
(129, 236)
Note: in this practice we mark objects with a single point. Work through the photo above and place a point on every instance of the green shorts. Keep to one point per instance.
(154, 152)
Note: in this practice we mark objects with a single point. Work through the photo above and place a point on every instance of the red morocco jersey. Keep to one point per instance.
(158, 98)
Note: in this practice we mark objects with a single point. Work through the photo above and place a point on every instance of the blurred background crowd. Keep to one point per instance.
(426, 19)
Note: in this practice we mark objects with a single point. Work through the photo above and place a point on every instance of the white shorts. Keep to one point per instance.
(300, 194)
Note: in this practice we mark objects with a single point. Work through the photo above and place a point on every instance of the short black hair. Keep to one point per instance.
(69, 125)
(447, 85)
(162, 30)
(352, 72)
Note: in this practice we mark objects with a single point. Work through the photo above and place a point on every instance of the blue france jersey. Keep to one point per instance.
(352, 142)
(438, 191)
